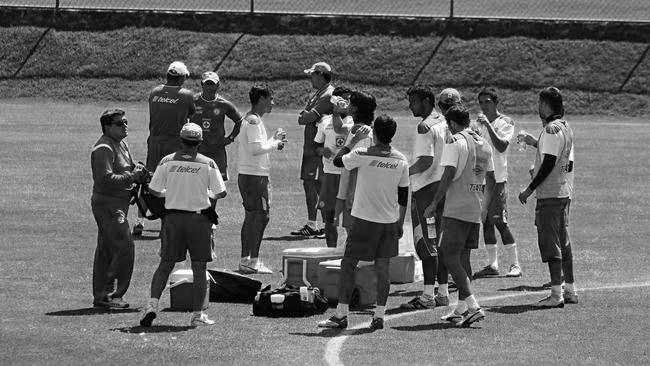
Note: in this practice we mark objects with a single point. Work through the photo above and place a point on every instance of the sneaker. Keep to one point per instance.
(550, 302)
(262, 269)
(377, 323)
(570, 297)
(200, 320)
(453, 317)
(117, 303)
(138, 228)
(334, 322)
(441, 300)
(320, 234)
(148, 316)
(306, 231)
(245, 266)
(417, 303)
(487, 271)
(515, 271)
(472, 316)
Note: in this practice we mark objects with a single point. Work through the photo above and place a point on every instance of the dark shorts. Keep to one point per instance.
(420, 199)
(254, 190)
(311, 167)
(218, 154)
(552, 221)
(498, 205)
(328, 190)
(458, 235)
(368, 240)
(183, 232)
(158, 147)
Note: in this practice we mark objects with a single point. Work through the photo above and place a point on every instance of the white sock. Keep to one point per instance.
(570, 288)
(380, 311)
(471, 302)
(245, 259)
(493, 259)
(428, 291)
(461, 307)
(253, 262)
(443, 290)
(556, 290)
(342, 310)
(511, 250)
(312, 224)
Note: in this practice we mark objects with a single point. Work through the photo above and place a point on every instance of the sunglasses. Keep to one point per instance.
(121, 123)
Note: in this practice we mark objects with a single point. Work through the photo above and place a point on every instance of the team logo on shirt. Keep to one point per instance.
(216, 111)
(206, 124)
(159, 99)
(183, 169)
(382, 164)
(340, 141)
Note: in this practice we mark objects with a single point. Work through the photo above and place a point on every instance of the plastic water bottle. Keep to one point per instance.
(521, 141)
(431, 227)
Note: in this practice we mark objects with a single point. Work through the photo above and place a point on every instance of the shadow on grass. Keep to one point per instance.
(331, 333)
(428, 327)
(394, 311)
(287, 238)
(91, 311)
(154, 329)
(524, 288)
(513, 309)
(405, 293)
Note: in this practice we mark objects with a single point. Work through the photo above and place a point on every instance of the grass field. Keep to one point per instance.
(48, 238)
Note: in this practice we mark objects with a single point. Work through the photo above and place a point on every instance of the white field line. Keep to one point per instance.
(334, 346)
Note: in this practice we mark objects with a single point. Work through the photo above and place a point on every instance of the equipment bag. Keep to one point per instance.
(289, 301)
(228, 286)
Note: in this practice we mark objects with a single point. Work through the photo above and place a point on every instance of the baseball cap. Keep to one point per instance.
(177, 68)
(210, 76)
(320, 67)
(191, 132)
(449, 96)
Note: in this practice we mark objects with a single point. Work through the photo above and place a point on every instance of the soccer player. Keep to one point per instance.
(378, 210)
(497, 129)
(329, 140)
(114, 174)
(188, 180)
(170, 106)
(211, 112)
(425, 173)
(467, 159)
(253, 180)
(553, 181)
(311, 167)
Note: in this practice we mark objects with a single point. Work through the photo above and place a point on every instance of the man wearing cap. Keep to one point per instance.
(170, 106)
(188, 180)
(114, 174)
(211, 111)
(312, 165)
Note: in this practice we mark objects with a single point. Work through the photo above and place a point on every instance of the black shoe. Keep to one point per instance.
(377, 323)
(101, 303)
(306, 231)
(138, 228)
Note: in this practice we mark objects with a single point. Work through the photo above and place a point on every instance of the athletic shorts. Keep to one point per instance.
(218, 154)
(368, 240)
(184, 231)
(158, 147)
(328, 189)
(498, 205)
(254, 190)
(552, 221)
(420, 200)
(458, 235)
(311, 167)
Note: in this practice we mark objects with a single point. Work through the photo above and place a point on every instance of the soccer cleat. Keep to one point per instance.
(472, 316)
(262, 269)
(148, 316)
(117, 303)
(138, 228)
(320, 234)
(487, 271)
(334, 322)
(418, 304)
(441, 300)
(515, 271)
(550, 302)
(570, 297)
(306, 231)
(200, 320)
(377, 323)
(101, 303)
(454, 316)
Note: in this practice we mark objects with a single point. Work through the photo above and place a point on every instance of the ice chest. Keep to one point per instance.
(365, 282)
(300, 265)
(180, 286)
(402, 268)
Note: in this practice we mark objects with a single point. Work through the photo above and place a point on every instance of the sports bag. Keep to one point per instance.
(232, 287)
(289, 301)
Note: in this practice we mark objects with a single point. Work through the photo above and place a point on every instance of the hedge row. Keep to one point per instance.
(515, 63)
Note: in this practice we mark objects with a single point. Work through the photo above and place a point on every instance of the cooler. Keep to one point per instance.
(365, 280)
(300, 265)
(402, 268)
(180, 290)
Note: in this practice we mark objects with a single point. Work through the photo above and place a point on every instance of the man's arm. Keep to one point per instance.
(501, 144)
(548, 162)
(102, 167)
(422, 163)
(237, 119)
(447, 177)
(361, 133)
(322, 107)
(490, 184)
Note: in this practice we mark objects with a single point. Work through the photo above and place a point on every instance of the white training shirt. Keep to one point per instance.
(187, 182)
(348, 179)
(252, 131)
(429, 141)
(455, 154)
(380, 172)
(505, 129)
(332, 140)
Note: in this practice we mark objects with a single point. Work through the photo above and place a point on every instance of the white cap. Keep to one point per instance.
(320, 67)
(191, 132)
(177, 68)
(211, 76)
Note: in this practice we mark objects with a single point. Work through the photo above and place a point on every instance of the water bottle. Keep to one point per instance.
(521, 141)
(431, 227)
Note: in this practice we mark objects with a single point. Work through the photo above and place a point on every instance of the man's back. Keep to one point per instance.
(169, 109)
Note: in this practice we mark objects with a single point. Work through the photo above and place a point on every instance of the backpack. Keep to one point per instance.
(229, 286)
(289, 301)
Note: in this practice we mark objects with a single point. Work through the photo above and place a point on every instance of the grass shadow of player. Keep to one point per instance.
(154, 329)
(426, 327)
(91, 311)
(524, 288)
(331, 333)
(404, 293)
(513, 309)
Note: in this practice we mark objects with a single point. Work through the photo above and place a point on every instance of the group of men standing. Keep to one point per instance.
(350, 172)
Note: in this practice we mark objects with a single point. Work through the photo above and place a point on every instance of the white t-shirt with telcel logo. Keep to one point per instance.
(332, 140)
(505, 129)
(379, 174)
(252, 131)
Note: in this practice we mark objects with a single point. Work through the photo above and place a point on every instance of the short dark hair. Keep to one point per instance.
(490, 92)
(175, 78)
(422, 92)
(107, 116)
(259, 91)
(553, 98)
(385, 128)
(366, 105)
(459, 114)
(190, 143)
(340, 90)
